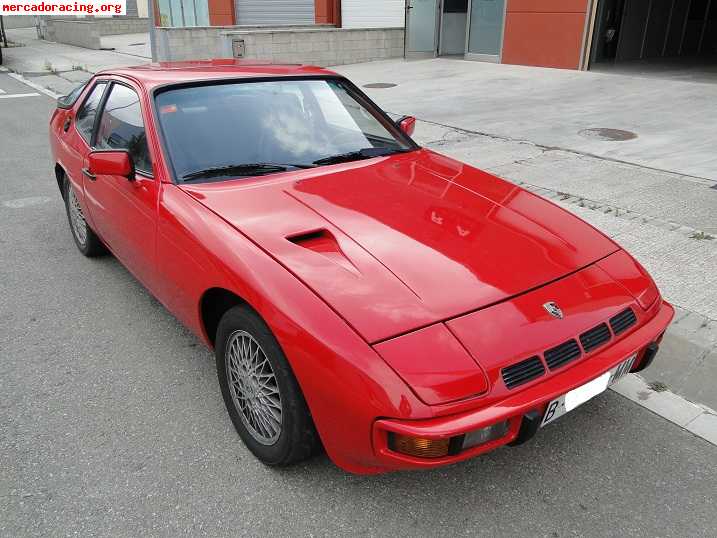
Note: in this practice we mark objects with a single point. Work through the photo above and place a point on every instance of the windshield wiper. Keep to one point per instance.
(245, 169)
(365, 153)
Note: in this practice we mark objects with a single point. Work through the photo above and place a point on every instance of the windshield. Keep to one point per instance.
(242, 129)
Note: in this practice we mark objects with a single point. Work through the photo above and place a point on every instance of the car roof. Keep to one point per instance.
(156, 74)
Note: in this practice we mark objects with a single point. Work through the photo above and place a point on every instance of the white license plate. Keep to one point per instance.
(570, 400)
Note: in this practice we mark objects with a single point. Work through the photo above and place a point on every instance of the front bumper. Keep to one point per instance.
(520, 409)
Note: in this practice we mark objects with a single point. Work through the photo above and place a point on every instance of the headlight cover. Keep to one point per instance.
(624, 269)
(434, 364)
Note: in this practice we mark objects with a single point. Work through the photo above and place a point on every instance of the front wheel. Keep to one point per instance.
(260, 391)
(86, 240)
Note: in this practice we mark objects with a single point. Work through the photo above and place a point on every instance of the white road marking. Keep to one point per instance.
(19, 203)
(37, 87)
(2, 91)
(14, 95)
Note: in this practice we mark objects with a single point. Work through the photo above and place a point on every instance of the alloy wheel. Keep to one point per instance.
(254, 388)
(77, 218)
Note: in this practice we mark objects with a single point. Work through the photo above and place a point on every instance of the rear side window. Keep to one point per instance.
(85, 120)
(122, 127)
(67, 101)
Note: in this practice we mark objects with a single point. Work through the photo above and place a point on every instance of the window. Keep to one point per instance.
(85, 120)
(67, 101)
(291, 123)
(122, 126)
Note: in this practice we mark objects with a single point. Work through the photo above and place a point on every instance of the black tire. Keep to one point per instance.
(297, 439)
(92, 246)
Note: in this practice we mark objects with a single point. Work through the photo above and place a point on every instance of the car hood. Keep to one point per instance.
(396, 243)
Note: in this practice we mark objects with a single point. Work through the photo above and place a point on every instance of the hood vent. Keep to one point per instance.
(324, 243)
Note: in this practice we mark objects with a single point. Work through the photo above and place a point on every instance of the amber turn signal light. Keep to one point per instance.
(419, 447)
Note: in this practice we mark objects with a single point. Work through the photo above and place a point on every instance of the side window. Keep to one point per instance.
(85, 120)
(122, 126)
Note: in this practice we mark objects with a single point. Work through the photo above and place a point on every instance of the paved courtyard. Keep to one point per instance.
(112, 423)
(552, 107)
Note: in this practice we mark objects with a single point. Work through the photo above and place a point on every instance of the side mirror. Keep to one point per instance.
(111, 163)
(407, 124)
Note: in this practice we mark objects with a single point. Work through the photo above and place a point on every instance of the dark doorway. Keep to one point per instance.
(650, 34)
(454, 20)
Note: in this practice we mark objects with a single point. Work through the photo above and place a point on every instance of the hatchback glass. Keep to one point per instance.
(242, 129)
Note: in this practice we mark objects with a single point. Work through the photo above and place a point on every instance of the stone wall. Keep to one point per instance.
(317, 45)
(18, 21)
(73, 32)
(87, 33)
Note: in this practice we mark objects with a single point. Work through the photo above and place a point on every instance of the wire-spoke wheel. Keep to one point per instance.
(261, 394)
(77, 219)
(85, 238)
(254, 388)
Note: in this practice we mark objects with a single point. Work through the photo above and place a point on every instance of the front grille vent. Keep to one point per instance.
(595, 337)
(562, 354)
(522, 372)
(623, 321)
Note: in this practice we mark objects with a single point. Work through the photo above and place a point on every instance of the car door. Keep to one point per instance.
(76, 139)
(124, 210)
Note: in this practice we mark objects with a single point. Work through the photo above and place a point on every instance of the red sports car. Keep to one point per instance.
(398, 307)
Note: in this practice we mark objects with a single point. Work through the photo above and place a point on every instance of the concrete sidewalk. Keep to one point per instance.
(60, 67)
(673, 119)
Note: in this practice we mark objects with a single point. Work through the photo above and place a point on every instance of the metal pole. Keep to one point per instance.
(152, 32)
(2, 31)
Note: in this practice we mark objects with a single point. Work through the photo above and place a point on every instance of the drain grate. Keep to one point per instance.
(380, 85)
(608, 135)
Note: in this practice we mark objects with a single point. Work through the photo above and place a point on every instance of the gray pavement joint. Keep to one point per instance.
(546, 148)
(615, 211)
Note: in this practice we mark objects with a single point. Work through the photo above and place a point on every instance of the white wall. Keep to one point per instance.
(373, 13)
(142, 8)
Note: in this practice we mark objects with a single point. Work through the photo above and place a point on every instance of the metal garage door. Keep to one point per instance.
(267, 12)
(372, 13)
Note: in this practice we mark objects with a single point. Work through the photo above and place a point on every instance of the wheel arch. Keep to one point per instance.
(60, 177)
(213, 305)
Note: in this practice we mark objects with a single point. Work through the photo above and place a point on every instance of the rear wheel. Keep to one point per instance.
(86, 240)
(260, 391)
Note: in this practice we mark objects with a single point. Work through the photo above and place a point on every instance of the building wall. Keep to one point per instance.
(546, 33)
(142, 8)
(221, 12)
(373, 13)
(273, 12)
(327, 11)
(315, 45)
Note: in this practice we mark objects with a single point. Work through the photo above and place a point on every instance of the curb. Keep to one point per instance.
(697, 419)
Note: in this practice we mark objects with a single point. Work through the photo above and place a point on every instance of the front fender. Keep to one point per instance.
(345, 383)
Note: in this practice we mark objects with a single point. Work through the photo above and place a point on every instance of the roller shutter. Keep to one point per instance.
(273, 12)
(373, 13)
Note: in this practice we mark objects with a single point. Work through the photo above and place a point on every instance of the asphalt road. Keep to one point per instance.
(111, 421)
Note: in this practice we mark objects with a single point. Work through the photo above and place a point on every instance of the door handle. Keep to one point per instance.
(67, 123)
(89, 174)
